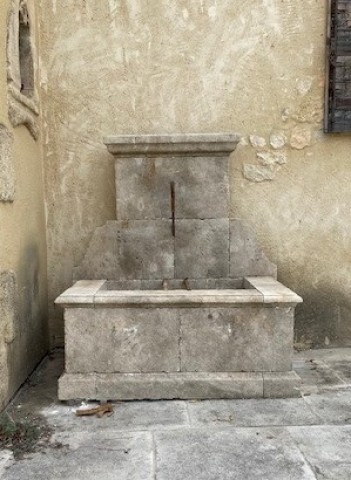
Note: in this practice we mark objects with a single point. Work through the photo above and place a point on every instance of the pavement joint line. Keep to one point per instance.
(327, 367)
(309, 465)
(309, 406)
(207, 428)
(154, 457)
(187, 413)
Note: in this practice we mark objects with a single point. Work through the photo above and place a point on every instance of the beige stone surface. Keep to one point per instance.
(244, 339)
(159, 66)
(23, 244)
(7, 167)
(122, 340)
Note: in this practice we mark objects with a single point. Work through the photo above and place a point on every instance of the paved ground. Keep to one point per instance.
(296, 439)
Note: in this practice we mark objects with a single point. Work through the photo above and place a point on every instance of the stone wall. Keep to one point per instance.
(253, 67)
(23, 282)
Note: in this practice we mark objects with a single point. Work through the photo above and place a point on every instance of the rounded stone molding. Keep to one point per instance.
(23, 97)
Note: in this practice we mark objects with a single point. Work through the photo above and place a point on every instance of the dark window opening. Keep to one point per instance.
(25, 56)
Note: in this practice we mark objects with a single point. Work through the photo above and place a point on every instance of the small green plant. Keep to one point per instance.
(19, 436)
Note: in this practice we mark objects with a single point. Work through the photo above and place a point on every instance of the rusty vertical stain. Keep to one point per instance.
(173, 207)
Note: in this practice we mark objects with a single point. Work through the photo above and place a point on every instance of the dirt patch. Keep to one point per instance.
(23, 436)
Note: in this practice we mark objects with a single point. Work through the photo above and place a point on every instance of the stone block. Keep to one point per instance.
(202, 248)
(154, 386)
(8, 305)
(122, 340)
(77, 386)
(250, 339)
(281, 384)
(81, 294)
(143, 187)
(7, 169)
(131, 250)
(172, 145)
(272, 291)
(246, 256)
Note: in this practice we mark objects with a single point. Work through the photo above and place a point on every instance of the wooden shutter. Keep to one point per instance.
(338, 88)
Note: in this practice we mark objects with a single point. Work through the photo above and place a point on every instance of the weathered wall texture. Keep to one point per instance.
(23, 292)
(255, 67)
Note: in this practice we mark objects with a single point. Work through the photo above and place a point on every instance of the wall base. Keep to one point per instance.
(166, 386)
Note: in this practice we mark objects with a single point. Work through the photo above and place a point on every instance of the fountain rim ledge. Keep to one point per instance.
(257, 291)
(190, 144)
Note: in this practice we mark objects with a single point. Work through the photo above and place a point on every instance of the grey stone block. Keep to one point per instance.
(154, 386)
(77, 386)
(7, 169)
(172, 145)
(130, 250)
(143, 187)
(202, 248)
(281, 384)
(8, 305)
(237, 339)
(246, 256)
(122, 340)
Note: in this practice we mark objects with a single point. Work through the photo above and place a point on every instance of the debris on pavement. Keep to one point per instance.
(99, 411)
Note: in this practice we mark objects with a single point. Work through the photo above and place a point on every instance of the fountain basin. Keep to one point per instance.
(223, 338)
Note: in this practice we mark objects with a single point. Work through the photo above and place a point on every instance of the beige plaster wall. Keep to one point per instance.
(23, 308)
(255, 67)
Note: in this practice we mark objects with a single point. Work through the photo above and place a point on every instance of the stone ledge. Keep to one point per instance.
(272, 290)
(221, 144)
(157, 386)
(258, 291)
(281, 384)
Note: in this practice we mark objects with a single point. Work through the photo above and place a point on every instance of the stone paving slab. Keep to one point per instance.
(332, 407)
(327, 450)
(227, 454)
(127, 416)
(252, 412)
(90, 455)
(306, 438)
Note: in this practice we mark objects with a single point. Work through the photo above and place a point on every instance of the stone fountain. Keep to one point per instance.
(175, 299)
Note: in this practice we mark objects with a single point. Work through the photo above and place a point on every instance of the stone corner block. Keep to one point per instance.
(281, 385)
(77, 387)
